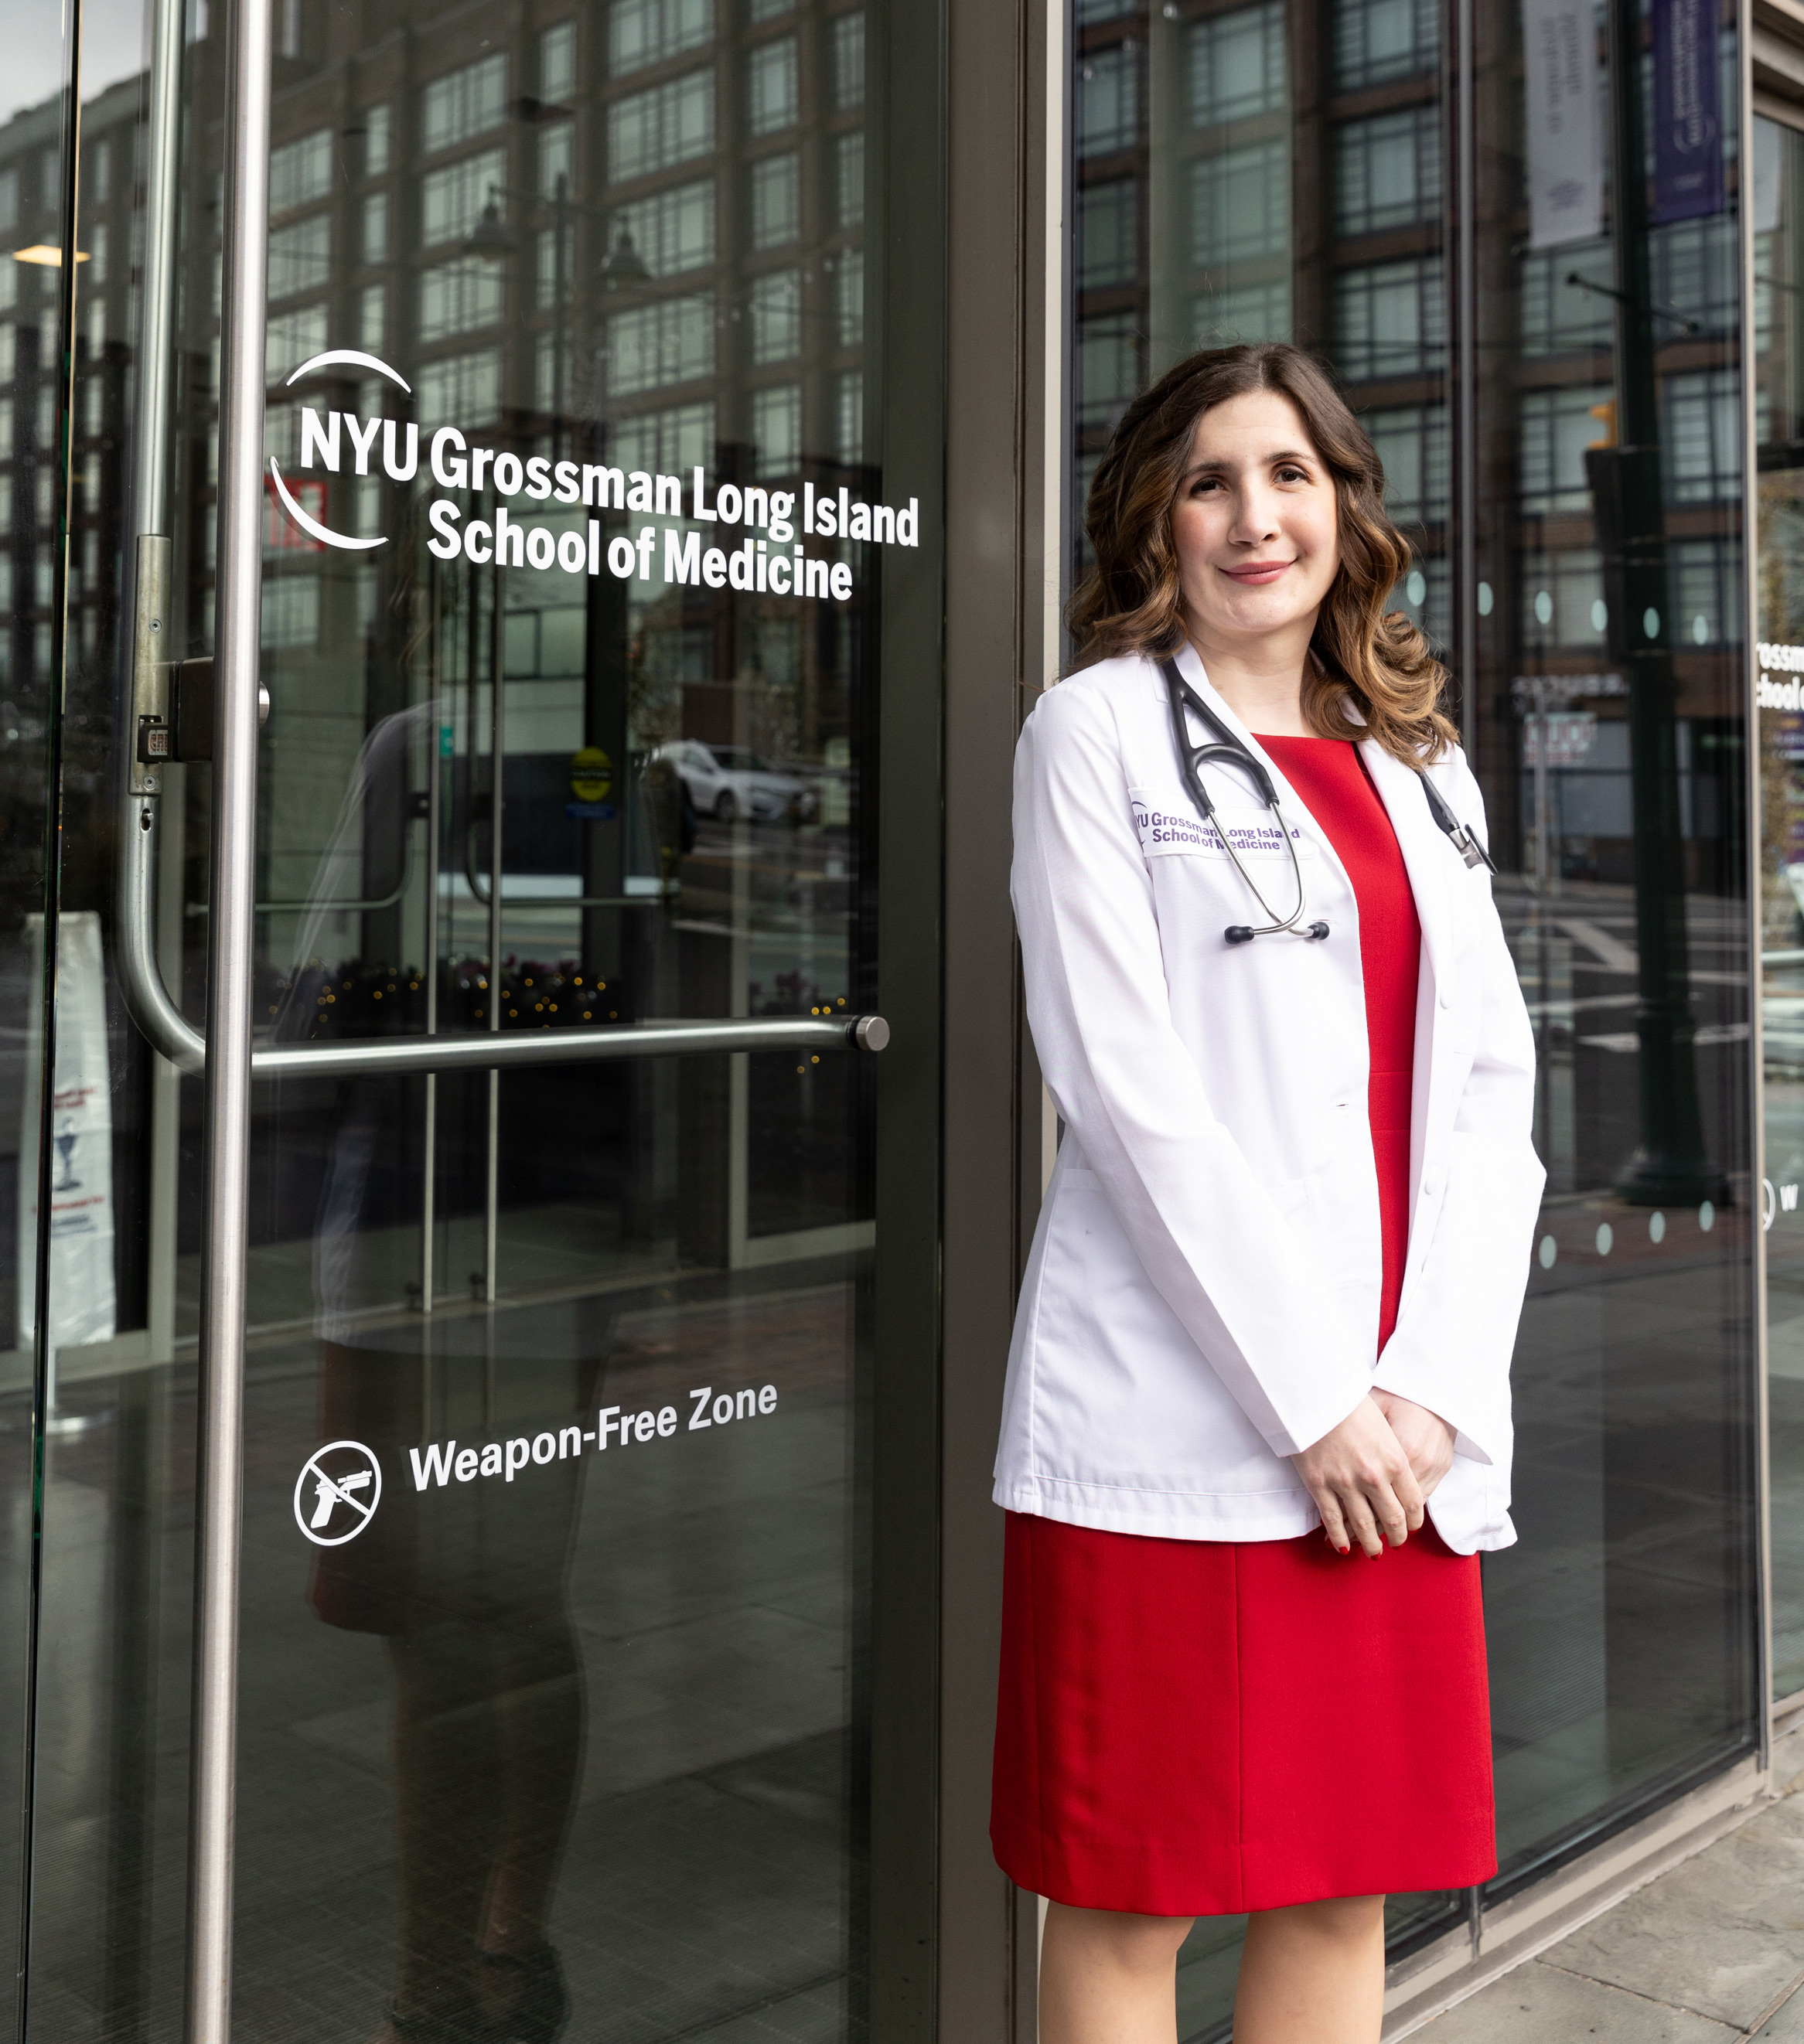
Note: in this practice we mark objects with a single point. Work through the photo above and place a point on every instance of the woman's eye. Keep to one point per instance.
(1292, 475)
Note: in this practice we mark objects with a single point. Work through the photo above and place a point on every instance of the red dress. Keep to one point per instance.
(1192, 1727)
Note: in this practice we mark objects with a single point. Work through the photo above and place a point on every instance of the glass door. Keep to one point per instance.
(573, 518)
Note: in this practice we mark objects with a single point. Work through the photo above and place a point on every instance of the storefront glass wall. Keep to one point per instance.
(1562, 441)
(1779, 278)
(584, 496)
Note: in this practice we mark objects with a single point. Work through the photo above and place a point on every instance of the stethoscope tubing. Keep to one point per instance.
(1230, 752)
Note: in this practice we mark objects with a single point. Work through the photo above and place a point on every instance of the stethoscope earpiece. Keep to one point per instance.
(1238, 933)
(1318, 931)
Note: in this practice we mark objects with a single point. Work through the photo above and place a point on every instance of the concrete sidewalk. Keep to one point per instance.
(1711, 1952)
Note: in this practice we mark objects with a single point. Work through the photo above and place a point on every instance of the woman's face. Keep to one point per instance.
(1256, 523)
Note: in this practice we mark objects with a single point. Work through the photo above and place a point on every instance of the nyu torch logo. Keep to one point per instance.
(362, 433)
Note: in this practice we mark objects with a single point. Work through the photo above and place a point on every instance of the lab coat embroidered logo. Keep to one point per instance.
(1170, 825)
(337, 1492)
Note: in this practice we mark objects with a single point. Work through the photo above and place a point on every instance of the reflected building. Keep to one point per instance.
(639, 1703)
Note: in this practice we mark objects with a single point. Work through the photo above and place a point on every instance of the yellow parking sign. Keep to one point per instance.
(591, 774)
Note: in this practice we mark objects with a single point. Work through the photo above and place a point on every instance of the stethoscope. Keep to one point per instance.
(1229, 752)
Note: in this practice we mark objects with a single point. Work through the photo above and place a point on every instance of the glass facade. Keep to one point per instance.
(1778, 272)
(602, 1563)
(1561, 440)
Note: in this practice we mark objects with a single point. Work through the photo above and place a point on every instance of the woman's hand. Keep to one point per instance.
(1427, 1438)
(1360, 1476)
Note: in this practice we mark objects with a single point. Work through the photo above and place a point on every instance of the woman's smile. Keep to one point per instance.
(1256, 574)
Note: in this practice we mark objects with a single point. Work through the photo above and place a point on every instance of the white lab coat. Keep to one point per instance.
(1202, 1299)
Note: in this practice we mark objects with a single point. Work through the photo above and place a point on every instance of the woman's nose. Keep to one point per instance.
(1254, 518)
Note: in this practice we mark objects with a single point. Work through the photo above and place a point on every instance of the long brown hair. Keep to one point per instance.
(1130, 602)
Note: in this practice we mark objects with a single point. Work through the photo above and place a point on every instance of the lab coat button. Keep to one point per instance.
(1429, 1184)
(1446, 998)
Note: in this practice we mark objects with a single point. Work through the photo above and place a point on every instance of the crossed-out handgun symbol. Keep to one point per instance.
(329, 1492)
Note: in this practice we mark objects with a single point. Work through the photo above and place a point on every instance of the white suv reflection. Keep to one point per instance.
(728, 781)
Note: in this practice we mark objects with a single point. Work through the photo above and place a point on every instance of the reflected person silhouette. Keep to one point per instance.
(465, 1577)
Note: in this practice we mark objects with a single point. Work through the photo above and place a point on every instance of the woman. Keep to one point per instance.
(1276, 1280)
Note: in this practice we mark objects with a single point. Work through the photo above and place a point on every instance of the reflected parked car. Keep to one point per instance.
(727, 782)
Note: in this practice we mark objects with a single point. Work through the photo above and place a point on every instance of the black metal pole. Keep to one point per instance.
(1669, 1166)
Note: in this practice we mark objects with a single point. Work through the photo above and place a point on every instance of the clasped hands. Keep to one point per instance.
(1372, 1475)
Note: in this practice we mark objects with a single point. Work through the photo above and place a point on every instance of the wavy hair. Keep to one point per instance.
(1366, 657)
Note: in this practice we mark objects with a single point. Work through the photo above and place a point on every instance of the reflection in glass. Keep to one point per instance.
(1285, 178)
(1779, 275)
(1607, 726)
(552, 1713)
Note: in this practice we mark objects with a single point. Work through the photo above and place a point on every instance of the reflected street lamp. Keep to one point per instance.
(626, 269)
(490, 237)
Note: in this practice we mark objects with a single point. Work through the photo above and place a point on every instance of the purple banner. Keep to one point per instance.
(1687, 110)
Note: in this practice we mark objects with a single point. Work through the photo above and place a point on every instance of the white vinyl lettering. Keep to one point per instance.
(434, 1465)
(316, 440)
(446, 544)
(362, 439)
(400, 469)
(682, 556)
(447, 473)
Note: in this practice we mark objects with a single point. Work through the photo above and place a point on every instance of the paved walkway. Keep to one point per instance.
(1711, 1953)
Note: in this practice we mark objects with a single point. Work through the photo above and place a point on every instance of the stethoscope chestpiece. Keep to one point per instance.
(1238, 933)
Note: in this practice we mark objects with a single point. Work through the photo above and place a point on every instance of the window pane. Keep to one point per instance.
(776, 199)
(665, 125)
(847, 37)
(646, 31)
(465, 103)
(1387, 170)
(771, 85)
(1607, 729)
(1237, 65)
(1377, 40)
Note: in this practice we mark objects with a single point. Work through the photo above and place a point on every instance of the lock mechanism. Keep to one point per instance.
(171, 701)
